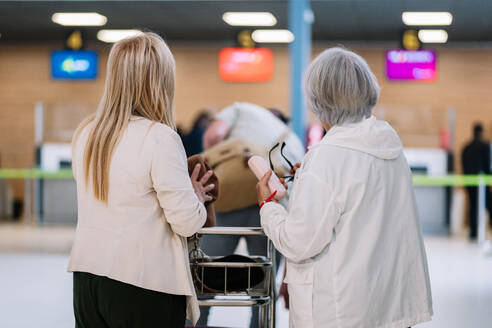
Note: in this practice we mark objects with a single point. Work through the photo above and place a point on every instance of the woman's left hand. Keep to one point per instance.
(200, 185)
(262, 189)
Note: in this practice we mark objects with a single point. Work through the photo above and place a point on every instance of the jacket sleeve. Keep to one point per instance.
(464, 155)
(307, 228)
(486, 158)
(170, 179)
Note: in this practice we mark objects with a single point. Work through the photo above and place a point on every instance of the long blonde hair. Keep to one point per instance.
(140, 81)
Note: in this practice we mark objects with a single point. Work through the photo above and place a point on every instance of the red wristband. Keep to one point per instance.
(269, 199)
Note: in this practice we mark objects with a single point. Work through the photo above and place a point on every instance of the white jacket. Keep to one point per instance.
(351, 234)
(139, 237)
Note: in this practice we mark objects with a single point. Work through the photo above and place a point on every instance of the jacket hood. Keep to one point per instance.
(371, 136)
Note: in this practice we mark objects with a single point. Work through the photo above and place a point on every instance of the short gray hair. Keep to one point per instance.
(340, 87)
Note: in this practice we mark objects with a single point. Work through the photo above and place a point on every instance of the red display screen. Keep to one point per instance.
(245, 65)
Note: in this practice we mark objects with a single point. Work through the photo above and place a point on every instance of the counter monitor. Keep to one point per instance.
(73, 64)
(416, 65)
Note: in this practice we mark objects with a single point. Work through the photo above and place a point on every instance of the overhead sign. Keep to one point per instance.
(246, 65)
(74, 65)
(417, 65)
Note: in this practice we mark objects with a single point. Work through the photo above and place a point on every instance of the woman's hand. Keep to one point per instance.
(295, 168)
(292, 172)
(200, 187)
(262, 189)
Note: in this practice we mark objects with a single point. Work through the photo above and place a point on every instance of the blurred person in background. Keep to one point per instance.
(136, 201)
(475, 159)
(351, 233)
(193, 140)
(259, 126)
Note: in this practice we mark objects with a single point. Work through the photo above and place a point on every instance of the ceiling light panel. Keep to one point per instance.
(79, 19)
(427, 18)
(433, 36)
(111, 36)
(249, 18)
(272, 36)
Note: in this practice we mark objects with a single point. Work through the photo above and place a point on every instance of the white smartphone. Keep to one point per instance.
(260, 167)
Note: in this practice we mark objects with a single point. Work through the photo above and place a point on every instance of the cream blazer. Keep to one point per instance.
(351, 234)
(139, 237)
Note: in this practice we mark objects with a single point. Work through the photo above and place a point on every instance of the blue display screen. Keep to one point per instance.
(74, 65)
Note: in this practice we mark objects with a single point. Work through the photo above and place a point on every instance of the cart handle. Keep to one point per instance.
(232, 231)
(252, 301)
(233, 264)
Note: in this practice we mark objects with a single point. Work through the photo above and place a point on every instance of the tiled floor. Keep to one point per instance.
(461, 280)
(35, 290)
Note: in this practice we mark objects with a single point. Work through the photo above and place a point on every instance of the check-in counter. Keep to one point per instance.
(6, 200)
(56, 198)
(431, 201)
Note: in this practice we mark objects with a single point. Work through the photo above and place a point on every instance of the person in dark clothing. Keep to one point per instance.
(192, 141)
(475, 159)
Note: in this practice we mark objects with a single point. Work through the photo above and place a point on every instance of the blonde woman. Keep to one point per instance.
(351, 233)
(136, 201)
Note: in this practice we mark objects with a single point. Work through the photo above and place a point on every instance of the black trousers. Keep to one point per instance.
(473, 208)
(100, 302)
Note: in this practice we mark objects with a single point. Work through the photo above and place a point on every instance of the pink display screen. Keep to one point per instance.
(418, 65)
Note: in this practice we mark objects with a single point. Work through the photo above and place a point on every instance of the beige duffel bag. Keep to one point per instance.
(229, 160)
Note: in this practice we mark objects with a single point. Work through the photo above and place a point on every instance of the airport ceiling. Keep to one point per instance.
(335, 20)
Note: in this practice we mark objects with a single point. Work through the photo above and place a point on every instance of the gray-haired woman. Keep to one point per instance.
(351, 233)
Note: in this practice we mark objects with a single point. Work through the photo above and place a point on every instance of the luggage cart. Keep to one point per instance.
(262, 296)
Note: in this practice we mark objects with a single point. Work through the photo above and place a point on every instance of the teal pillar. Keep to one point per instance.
(300, 20)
